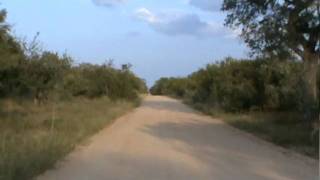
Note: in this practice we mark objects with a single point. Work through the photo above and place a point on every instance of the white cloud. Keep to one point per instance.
(108, 3)
(146, 15)
(175, 24)
(207, 5)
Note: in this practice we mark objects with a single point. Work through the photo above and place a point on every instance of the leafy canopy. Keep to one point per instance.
(277, 27)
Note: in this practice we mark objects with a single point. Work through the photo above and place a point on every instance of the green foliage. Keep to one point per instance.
(94, 81)
(285, 30)
(241, 85)
(43, 75)
(28, 72)
(177, 87)
(277, 28)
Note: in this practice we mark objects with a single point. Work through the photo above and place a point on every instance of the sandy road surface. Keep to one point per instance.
(165, 140)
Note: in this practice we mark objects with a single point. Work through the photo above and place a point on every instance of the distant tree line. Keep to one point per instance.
(28, 72)
(241, 85)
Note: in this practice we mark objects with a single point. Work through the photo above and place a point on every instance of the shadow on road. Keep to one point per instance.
(222, 149)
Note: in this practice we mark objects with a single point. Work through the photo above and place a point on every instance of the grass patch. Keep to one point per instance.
(287, 129)
(33, 138)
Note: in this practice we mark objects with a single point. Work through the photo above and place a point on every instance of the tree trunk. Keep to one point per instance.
(311, 78)
(311, 62)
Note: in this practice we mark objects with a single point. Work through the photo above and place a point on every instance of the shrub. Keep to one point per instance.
(241, 85)
(28, 72)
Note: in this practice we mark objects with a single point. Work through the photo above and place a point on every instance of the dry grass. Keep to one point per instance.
(33, 138)
(287, 129)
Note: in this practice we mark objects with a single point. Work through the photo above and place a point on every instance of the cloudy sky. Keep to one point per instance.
(158, 37)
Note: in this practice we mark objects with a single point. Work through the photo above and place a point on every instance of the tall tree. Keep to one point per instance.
(3, 25)
(280, 28)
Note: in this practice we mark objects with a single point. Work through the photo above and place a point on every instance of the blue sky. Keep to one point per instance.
(159, 38)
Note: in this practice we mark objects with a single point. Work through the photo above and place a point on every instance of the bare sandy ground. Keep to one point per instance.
(165, 140)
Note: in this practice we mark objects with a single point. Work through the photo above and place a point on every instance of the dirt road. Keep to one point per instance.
(165, 140)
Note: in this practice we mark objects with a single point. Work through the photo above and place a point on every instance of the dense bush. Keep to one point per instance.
(171, 86)
(103, 80)
(241, 85)
(26, 71)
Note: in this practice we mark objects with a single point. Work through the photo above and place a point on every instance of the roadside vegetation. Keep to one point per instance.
(49, 104)
(275, 93)
(33, 137)
(265, 97)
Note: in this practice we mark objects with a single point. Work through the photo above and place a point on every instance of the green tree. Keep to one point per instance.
(280, 29)
(4, 28)
(28, 71)
(11, 58)
(43, 75)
